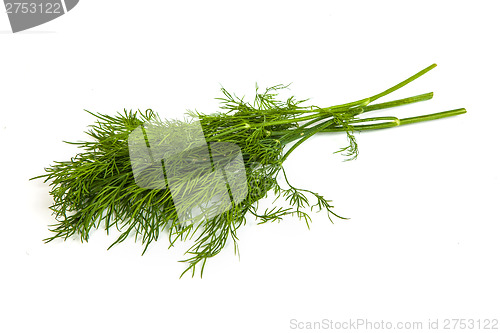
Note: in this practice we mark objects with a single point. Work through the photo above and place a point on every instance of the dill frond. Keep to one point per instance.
(97, 187)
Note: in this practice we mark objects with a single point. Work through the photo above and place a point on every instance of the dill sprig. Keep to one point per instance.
(97, 186)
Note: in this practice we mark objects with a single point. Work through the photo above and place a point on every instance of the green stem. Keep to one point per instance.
(286, 136)
(346, 106)
(286, 121)
(399, 102)
(402, 83)
(319, 113)
(432, 116)
(231, 130)
(403, 121)
(391, 119)
(311, 132)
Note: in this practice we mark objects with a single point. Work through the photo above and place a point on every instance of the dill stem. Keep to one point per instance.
(399, 102)
(231, 129)
(311, 132)
(288, 121)
(287, 136)
(402, 83)
(347, 106)
(319, 114)
(351, 105)
(403, 121)
(432, 116)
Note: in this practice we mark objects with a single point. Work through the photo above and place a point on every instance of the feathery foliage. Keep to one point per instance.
(97, 186)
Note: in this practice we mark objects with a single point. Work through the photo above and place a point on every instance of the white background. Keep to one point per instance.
(423, 238)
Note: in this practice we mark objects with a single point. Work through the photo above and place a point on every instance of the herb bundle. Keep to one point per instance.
(97, 186)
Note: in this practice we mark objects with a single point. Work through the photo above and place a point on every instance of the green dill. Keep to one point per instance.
(96, 188)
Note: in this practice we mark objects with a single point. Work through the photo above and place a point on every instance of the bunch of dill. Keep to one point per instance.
(97, 186)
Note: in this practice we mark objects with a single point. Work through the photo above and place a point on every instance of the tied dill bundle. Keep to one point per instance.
(98, 186)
